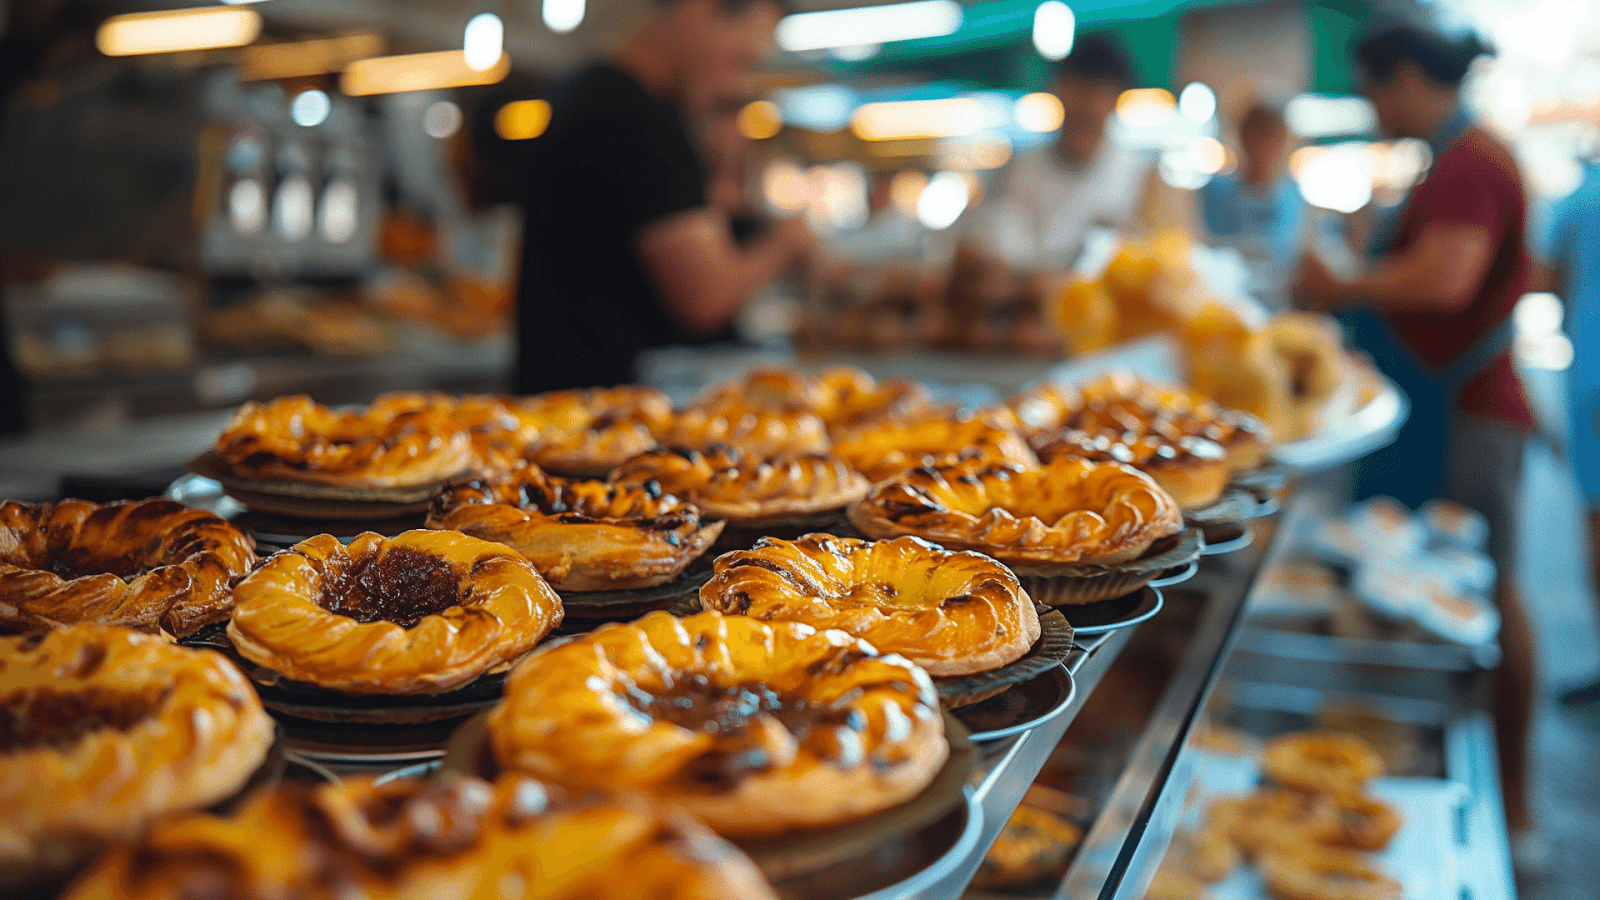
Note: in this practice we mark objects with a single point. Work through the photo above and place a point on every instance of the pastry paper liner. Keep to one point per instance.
(800, 852)
(303, 500)
(1069, 585)
(1052, 647)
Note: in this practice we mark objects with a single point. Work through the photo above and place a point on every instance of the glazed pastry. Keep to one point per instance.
(1312, 348)
(1367, 823)
(396, 444)
(755, 727)
(1207, 854)
(728, 483)
(420, 613)
(855, 398)
(757, 430)
(589, 432)
(1321, 762)
(776, 388)
(1271, 817)
(1070, 512)
(885, 449)
(1193, 471)
(950, 613)
(1310, 872)
(153, 565)
(581, 534)
(103, 729)
(1035, 843)
(455, 837)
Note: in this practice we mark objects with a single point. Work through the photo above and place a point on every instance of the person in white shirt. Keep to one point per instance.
(1045, 203)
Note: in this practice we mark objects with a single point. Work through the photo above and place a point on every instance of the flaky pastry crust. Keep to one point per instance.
(581, 534)
(950, 613)
(1069, 512)
(450, 838)
(420, 613)
(591, 431)
(729, 483)
(755, 727)
(103, 729)
(760, 431)
(885, 449)
(1193, 471)
(150, 565)
(395, 444)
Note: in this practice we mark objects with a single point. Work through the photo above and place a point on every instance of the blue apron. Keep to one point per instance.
(1412, 468)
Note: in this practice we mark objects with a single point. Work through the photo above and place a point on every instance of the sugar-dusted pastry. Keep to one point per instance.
(728, 483)
(952, 613)
(152, 565)
(103, 729)
(1070, 511)
(420, 613)
(581, 534)
(754, 727)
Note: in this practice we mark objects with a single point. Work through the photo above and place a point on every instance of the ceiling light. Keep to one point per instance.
(1054, 28)
(417, 72)
(483, 41)
(173, 31)
(867, 25)
(912, 119)
(562, 16)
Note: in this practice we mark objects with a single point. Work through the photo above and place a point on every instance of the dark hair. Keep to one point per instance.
(1098, 57)
(1444, 58)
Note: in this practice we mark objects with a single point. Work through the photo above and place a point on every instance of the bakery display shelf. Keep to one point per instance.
(1345, 439)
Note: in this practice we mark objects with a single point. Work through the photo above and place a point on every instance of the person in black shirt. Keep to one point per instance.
(621, 250)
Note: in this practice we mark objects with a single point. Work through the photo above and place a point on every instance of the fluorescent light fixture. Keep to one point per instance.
(1318, 116)
(865, 25)
(304, 59)
(1054, 28)
(483, 41)
(917, 119)
(310, 108)
(1197, 102)
(417, 72)
(177, 30)
(522, 120)
(562, 16)
(1038, 112)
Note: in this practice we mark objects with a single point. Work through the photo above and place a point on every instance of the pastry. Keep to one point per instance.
(423, 612)
(1069, 512)
(1321, 762)
(589, 432)
(103, 729)
(1367, 823)
(755, 727)
(581, 534)
(1271, 817)
(950, 613)
(885, 449)
(1324, 873)
(729, 483)
(1035, 843)
(1193, 471)
(1312, 349)
(757, 430)
(855, 398)
(454, 837)
(150, 565)
(1207, 854)
(395, 444)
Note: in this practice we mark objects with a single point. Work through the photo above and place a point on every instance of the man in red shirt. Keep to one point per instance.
(1439, 302)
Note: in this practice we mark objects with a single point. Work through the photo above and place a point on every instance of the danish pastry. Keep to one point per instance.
(1271, 817)
(1193, 471)
(451, 838)
(103, 729)
(1310, 872)
(885, 449)
(950, 613)
(420, 613)
(581, 534)
(1070, 511)
(395, 444)
(757, 430)
(729, 483)
(150, 565)
(755, 727)
(589, 432)
(1321, 762)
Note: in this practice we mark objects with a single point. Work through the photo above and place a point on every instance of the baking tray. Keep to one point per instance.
(1110, 615)
(315, 501)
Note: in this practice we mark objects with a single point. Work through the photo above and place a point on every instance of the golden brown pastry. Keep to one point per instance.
(1271, 817)
(729, 483)
(1312, 348)
(1311, 872)
(776, 388)
(1193, 471)
(1208, 854)
(1069, 512)
(589, 432)
(1367, 823)
(581, 534)
(395, 444)
(150, 565)
(1321, 762)
(855, 398)
(1035, 843)
(755, 727)
(1171, 883)
(454, 837)
(420, 613)
(103, 729)
(950, 613)
(885, 449)
(757, 430)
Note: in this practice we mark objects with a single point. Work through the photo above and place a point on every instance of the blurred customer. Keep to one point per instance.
(1436, 317)
(1046, 202)
(1570, 245)
(622, 250)
(1257, 208)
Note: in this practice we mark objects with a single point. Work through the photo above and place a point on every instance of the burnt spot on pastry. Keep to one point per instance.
(403, 586)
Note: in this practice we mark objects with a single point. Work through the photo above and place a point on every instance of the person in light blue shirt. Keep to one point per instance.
(1257, 209)
(1569, 244)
